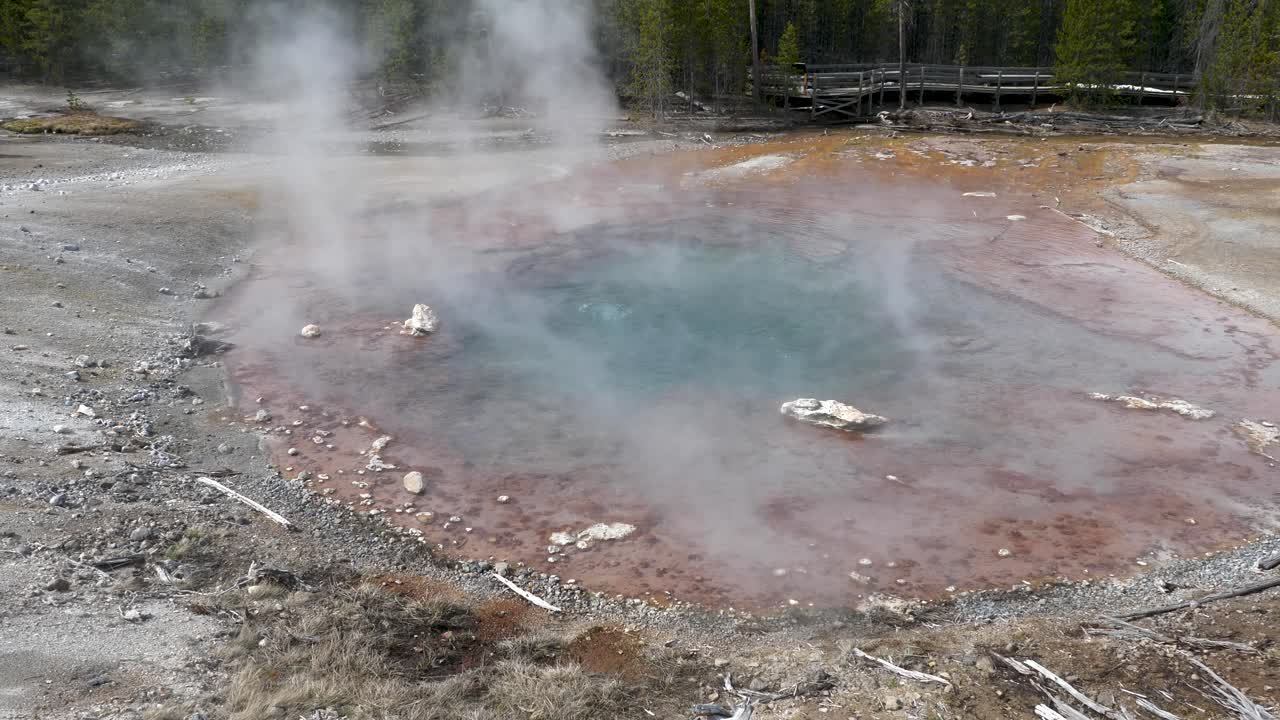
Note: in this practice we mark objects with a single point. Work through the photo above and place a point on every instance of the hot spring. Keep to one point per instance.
(629, 369)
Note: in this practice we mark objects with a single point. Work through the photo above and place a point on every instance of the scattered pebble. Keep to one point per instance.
(310, 331)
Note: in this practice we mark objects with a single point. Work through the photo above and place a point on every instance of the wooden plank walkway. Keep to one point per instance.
(844, 90)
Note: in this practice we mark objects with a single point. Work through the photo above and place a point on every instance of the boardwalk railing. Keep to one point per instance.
(844, 88)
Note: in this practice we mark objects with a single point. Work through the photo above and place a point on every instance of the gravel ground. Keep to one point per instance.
(108, 412)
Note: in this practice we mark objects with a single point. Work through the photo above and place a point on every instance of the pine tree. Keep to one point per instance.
(651, 57)
(788, 48)
(1095, 45)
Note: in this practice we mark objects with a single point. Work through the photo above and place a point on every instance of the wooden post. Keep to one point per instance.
(999, 83)
(813, 97)
(922, 84)
(1035, 88)
(902, 56)
(859, 105)
(960, 87)
(1142, 87)
(881, 87)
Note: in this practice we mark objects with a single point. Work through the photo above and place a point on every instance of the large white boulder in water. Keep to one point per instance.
(422, 321)
(832, 414)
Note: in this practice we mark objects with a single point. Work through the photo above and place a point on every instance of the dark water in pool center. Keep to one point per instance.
(663, 345)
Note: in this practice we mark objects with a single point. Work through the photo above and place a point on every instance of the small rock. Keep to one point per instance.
(165, 291)
(58, 500)
(310, 331)
(84, 361)
(134, 615)
(56, 303)
(225, 449)
(1004, 552)
(891, 702)
(414, 482)
(504, 499)
(720, 662)
(62, 429)
(86, 411)
(73, 375)
(501, 568)
(140, 534)
(71, 247)
(262, 416)
(58, 584)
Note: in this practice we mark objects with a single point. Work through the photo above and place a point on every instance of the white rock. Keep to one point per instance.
(612, 531)
(1259, 436)
(504, 499)
(1015, 218)
(414, 482)
(1182, 407)
(86, 411)
(584, 539)
(61, 429)
(310, 331)
(422, 321)
(832, 414)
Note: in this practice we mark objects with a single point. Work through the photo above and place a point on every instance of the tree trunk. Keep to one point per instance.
(755, 51)
(902, 55)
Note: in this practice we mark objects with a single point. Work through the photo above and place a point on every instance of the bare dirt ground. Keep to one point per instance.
(129, 590)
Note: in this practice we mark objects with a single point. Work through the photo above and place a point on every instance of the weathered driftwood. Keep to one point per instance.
(909, 674)
(1047, 713)
(1270, 562)
(1129, 630)
(1238, 592)
(275, 516)
(527, 595)
(1156, 710)
(1079, 696)
(1231, 697)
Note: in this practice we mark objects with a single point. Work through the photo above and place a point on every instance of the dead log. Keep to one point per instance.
(275, 516)
(1238, 592)
(1269, 563)
(527, 595)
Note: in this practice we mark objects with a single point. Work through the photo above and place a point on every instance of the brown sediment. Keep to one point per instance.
(1104, 487)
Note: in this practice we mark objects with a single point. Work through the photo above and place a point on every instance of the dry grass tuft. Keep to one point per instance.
(376, 652)
(76, 123)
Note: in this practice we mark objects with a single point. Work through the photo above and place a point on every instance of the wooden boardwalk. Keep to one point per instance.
(851, 91)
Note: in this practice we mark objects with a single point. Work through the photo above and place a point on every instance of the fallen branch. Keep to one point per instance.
(115, 563)
(1156, 710)
(73, 449)
(909, 674)
(1231, 697)
(1017, 666)
(1238, 592)
(526, 594)
(1131, 631)
(1269, 563)
(1047, 713)
(1079, 696)
(275, 516)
